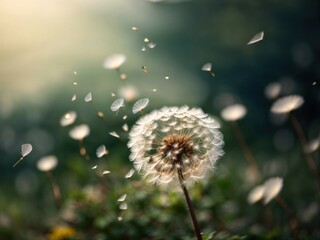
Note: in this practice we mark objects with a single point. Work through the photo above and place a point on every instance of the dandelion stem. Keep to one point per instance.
(247, 152)
(56, 193)
(303, 141)
(293, 223)
(190, 207)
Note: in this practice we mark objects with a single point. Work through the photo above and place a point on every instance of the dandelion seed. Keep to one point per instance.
(272, 188)
(128, 92)
(256, 38)
(125, 127)
(123, 206)
(114, 134)
(130, 173)
(151, 45)
(120, 218)
(74, 97)
(75, 73)
(100, 114)
(79, 132)
(135, 29)
(146, 40)
(159, 156)
(124, 117)
(117, 104)
(256, 194)
(25, 150)
(314, 83)
(106, 172)
(143, 49)
(101, 151)
(154, 90)
(287, 104)
(272, 90)
(75, 83)
(68, 118)
(234, 112)
(113, 94)
(122, 198)
(47, 163)
(207, 67)
(140, 105)
(167, 78)
(94, 167)
(88, 97)
(114, 61)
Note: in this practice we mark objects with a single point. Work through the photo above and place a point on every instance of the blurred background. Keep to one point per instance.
(52, 52)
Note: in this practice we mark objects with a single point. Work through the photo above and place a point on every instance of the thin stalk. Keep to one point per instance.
(56, 193)
(253, 166)
(293, 223)
(190, 207)
(303, 141)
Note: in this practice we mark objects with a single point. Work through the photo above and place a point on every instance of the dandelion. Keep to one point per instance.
(256, 194)
(256, 38)
(101, 151)
(68, 118)
(272, 188)
(140, 105)
(79, 132)
(176, 145)
(25, 150)
(62, 232)
(286, 105)
(232, 114)
(47, 164)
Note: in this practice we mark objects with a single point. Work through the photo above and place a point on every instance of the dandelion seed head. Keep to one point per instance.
(47, 163)
(117, 104)
(140, 105)
(173, 138)
(256, 194)
(114, 61)
(234, 112)
(68, 118)
(26, 149)
(272, 188)
(79, 132)
(287, 104)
